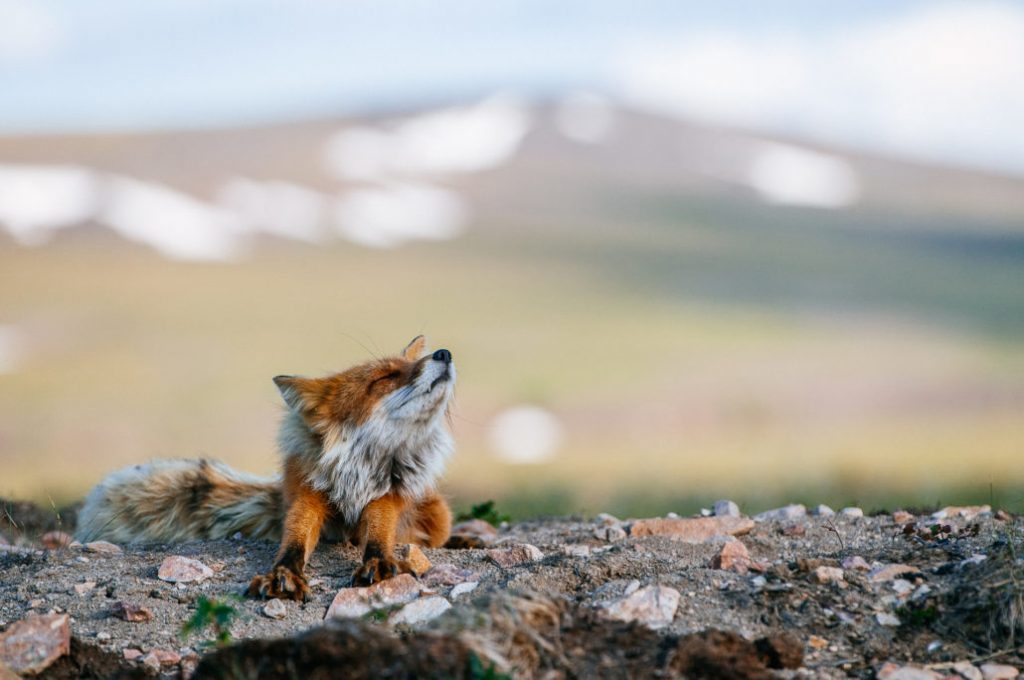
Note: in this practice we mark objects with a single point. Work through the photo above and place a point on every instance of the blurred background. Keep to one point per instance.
(680, 250)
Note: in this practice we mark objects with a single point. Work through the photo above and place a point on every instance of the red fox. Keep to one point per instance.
(362, 449)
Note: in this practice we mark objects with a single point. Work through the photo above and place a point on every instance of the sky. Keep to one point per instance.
(939, 81)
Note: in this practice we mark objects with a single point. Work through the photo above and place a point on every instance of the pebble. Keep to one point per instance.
(576, 550)
(131, 654)
(998, 671)
(448, 575)
(130, 612)
(103, 548)
(515, 555)
(652, 606)
(822, 510)
(816, 642)
(354, 602)
(828, 575)
(29, 646)
(962, 511)
(692, 530)
(476, 528)
(889, 572)
(795, 511)
(178, 569)
(902, 517)
(85, 587)
(463, 589)
(103, 636)
(725, 508)
(275, 609)
(853, 513)
(151, 660)
(606, 519)
(891, 671)
(420, 611)
(610, 533)
(967, 671)
(886, 619)
(855, 563)
(733, 556)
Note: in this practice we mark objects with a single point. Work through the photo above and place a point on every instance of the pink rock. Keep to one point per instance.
(892, 571)
(732, 557)
(29, 646)
(692, 529)
(653, 606)
(85, 587)
(177, 569)
(828, 574)
(855, 563)
(515, 555)
(448, 575)
(963, 511)
(998, 671)
(102, 547)
(166, 657)
(354, 602)
(131, 654)
(891, 671)
(130, 612)
(902, 517)
(476, 528)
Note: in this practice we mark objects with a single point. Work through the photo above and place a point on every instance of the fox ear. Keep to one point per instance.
(415, 349)
(297, 392)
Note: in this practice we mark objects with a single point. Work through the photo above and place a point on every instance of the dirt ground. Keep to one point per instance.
(959, 596)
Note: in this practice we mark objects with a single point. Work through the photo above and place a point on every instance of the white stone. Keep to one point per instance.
(463, 589)
(795, 511)
(420, 611)
(726, 508)
(822, 510)
(853, 513)
(652, 606)
(885, 619)
(178, 569)
(275, 609)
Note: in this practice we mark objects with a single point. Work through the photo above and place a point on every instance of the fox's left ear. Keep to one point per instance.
(415, 349)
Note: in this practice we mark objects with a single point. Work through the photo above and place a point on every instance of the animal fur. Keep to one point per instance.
(362, 451)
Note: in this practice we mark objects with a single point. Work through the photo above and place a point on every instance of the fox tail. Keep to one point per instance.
(167, 501)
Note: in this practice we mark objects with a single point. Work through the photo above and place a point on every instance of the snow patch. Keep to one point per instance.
(790, 175)
(389, 215)
(275, 207)
(36, 200)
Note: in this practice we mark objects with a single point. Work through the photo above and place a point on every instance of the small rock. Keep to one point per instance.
(795, 511)
(29, 646)
(419, 611)
(853, 513)
(354, 602)
(967, 671)
(85, 587)
(607, 520)
(675, 515)
(131, 654)
(816, 642)
(732, 557)
(576, 550)
(902, 517)
(103, 636)
(692, 530)
(178, 569)
(902, 587)
(795, 529)
(463, 589)
(237, 536)
(828, 574)
(166, 657)
(54, 540)
(963, 511)
(886, 619)
(855, 563)
(514, 555)
(998, 671)
(275, 609)
(891, 671)
(822, 510)
(103, 548)
(653, 606)
(151, 660)
(610, 533)
(130, 612)
(889, 572)
(1003, 516)
(725, 508)
(448, 575)
(476, 528)
(415, 557)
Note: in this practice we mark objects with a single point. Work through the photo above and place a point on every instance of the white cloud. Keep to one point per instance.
(525, 435)
(448, 141)
(391, 214)
(943, 82)
(28, 30)
(36, 200)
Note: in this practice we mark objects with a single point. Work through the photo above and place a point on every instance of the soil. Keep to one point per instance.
(544, 618)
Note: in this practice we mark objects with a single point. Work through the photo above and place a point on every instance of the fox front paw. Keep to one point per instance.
(376, 569)
(281, 583)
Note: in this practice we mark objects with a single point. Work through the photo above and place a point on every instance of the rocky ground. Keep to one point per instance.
(788, 593)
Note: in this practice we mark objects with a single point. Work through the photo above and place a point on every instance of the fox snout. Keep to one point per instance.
(442, 355)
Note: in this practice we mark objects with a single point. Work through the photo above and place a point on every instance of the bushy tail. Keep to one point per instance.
(168, 501)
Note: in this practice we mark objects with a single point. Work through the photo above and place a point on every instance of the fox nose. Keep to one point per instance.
(443, 355)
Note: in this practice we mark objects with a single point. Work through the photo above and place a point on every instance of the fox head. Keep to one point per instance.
(408, 390)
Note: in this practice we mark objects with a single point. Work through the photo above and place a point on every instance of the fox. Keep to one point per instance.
(362, 453)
